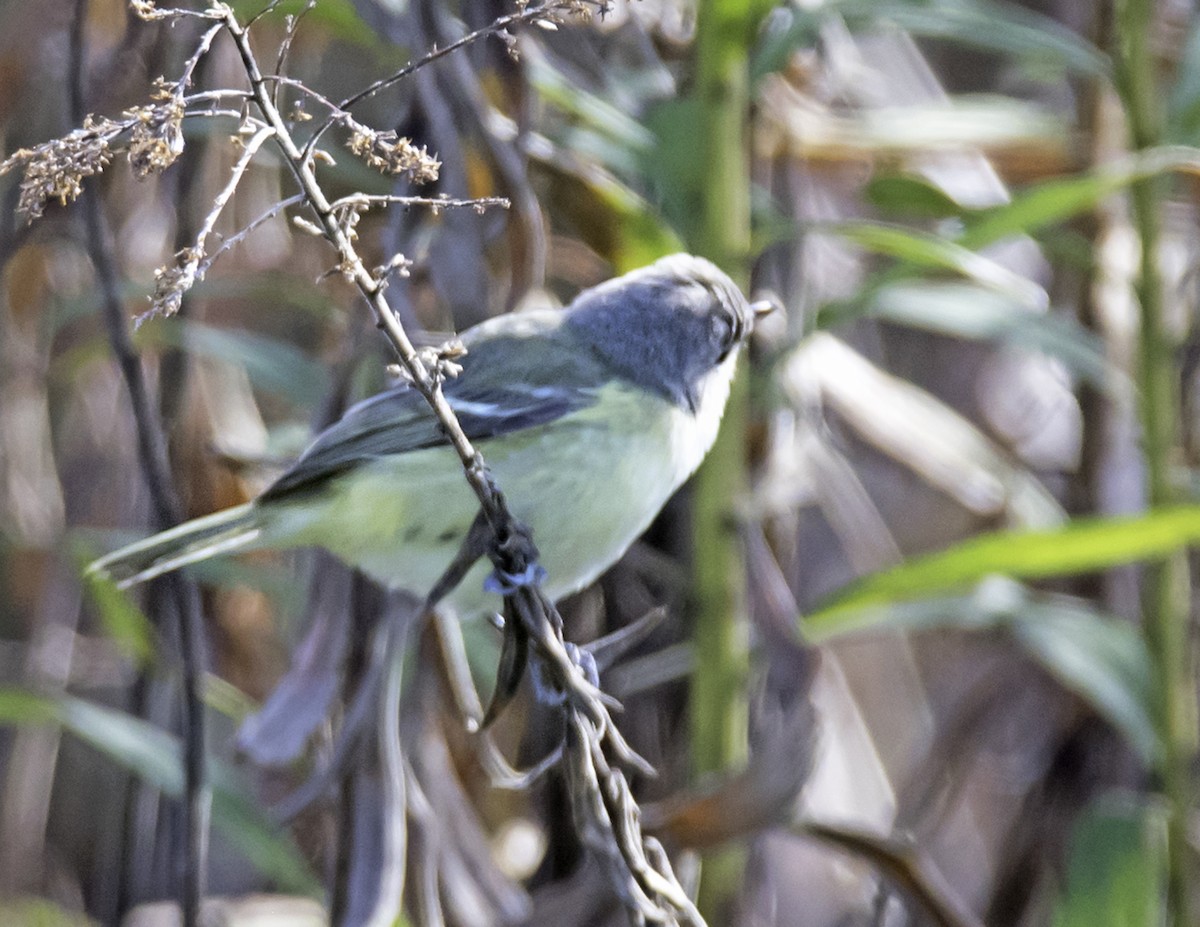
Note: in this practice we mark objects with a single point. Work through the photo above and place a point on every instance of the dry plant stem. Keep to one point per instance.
(1167, 619)
(152, 453)
(433, 202)
(606, 810)
(242, 234)
(372, 289)
(531, 14)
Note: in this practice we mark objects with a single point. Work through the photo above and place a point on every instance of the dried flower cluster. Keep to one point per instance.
(146, 10)
(171, 283)
(157, 138)
(391, 155)
(56, 169)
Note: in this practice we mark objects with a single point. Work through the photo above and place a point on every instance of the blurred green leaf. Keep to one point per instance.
(1101, 658)
(555, 88)
(338, 16)
(20, 706)
(933, 252)
(242, 820)
(272, 365)
(672, 167)
(903, 195)
(1115, 872)
(1058, 200)
(40, 912)
(966, 311)
(1005, 28)
(1080, 546)
(145, 750)
(1183, 104)
(613, 219)
(227, 699)
(155, 757)
(123, 621)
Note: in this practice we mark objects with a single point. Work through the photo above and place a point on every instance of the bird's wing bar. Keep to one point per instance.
(400, 420)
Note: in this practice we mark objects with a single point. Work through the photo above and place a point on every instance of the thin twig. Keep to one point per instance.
(293, 23)
(189, 67)
(532, 14)
(237, 238)
(249, 149)
(434, 202)
(205, 96)
(303, 88)
(352, 267)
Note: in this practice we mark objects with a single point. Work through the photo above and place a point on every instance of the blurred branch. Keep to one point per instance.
(902, 864)
(152, 447)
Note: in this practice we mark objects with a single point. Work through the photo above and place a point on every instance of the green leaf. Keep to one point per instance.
(123, 621)
(271, 364)
(933, 252)
(911, 197)
(966, 311)
(999, 27)
(145, 750)
(1115, 872)
(20, 706)
(1103, 660)
(557, 89)
(1058, 200)
(339, 17)
(613, 219)
(40, 912)
(156, 758)
(1100, 658)
(1080, 546)
(1183, 104)
(243, 821)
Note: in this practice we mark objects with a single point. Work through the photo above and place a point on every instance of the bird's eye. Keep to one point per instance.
(724, 335)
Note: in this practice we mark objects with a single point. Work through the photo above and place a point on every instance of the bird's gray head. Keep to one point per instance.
(667, 326)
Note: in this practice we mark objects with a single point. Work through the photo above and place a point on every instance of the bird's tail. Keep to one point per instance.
(199, 539)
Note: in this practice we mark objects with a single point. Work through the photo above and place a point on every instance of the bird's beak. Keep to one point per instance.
(763, 307)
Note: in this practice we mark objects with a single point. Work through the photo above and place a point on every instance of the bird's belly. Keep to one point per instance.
(587, 487)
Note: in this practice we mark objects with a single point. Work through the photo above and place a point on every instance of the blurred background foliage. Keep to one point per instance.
(961, 699)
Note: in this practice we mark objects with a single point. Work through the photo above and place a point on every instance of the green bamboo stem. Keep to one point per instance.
(718, 687)
(1168, 593)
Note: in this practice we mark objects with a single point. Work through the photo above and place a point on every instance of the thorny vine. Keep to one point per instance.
(593, 754)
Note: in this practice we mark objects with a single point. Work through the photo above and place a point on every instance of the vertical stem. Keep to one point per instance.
(152, 453)
(1168, 593)
(718, 697)
(718, 726)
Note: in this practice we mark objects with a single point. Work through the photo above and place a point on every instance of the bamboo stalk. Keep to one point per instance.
(1167, 609)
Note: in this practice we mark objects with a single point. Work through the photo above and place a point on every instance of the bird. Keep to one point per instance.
(589, 418)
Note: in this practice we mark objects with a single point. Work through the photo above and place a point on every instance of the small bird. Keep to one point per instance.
(589, 418)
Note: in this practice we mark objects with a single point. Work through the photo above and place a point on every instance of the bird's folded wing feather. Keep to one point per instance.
(529, 383)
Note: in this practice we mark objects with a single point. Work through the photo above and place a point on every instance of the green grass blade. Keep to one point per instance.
(1080, 546)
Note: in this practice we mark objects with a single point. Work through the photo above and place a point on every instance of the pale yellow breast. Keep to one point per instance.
(588, 484)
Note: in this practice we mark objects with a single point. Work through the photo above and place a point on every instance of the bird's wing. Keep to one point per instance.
(529, 383)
